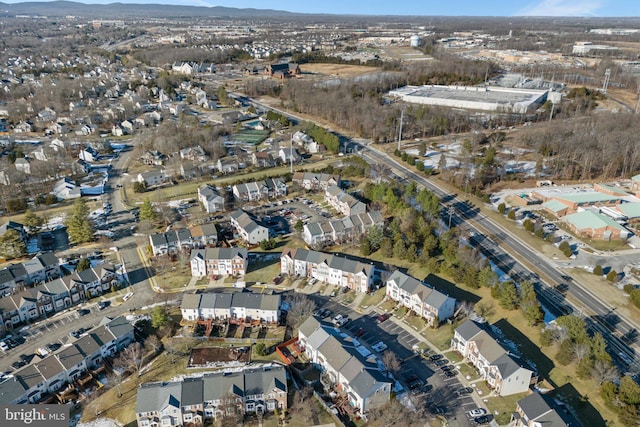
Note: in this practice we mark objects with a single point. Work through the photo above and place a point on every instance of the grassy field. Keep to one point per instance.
(373, 299)
(263, 271)
(173, 277)
(440, 337)
(502, 407)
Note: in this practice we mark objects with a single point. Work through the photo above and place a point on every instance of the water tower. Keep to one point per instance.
(415, 41)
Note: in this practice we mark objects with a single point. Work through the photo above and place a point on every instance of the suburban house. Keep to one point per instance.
(154, 158)
(343, 202)
(66, 189)
(248, 229)
(244, 306)
(315, 181)
(263, 159)
(289, 155)
(257, 190)
(213, 395)
(309, 144)
(349, 368)
(170, 242)
(493, 362)
(219, 261)
(339, 230)
(422, 299)
(196, 153)
(228, 165)
(535, 411)
(89, 154)
(36, 381)
(210, 198)
(204, 235)
(328, 268)
(41, 268)
(152, 178)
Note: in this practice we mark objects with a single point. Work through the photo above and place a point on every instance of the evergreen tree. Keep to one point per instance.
(79, 227)
(159, 317)
(147, 213)
(33, 220)
(11, 245)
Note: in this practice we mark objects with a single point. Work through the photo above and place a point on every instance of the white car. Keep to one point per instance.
(379, 347)
(477, 412)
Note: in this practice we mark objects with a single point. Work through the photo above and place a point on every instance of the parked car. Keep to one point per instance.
(483, 419)
(447, 368)
(438, 410)
(18, 364)
(451, 373)
(379, 347)
(441, 362)
(435, 357)
(83, 311)
(360, 332)
(464, 390)
(4, 346)
(477, 412)
(383, 317)
(103, 304)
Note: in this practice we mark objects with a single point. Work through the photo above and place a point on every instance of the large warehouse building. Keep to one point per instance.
(493, 98)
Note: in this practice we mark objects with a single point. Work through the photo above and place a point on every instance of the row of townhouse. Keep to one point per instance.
(420, 297)
(211, 199)
(183, 239)
(316, 181)
(327, 268)
(344, 202)
(40, 268)
(219, 261)
(35, 381)
(245, 306)
(56, 295)
(499, 370)
(353, 371)
(248, 228)
(338, 230)
(259, 190)
(214, 395)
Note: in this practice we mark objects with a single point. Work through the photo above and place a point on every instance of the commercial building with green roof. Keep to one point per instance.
(594, 225)
(630, 210)
(555, 207)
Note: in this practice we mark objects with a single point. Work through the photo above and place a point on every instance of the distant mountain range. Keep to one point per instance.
(130, 10)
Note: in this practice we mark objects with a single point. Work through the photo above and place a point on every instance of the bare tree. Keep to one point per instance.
(604, 371)
(231, 414)
(132, 358)
(484, 309)
(581, 350)
(300, 307)
(154, 342)
(391, 362)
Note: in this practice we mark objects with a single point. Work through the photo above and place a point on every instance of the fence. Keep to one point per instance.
(324, 405)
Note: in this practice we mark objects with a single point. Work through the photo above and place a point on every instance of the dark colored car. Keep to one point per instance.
(450, 374)
(360, 332)
(464, 390)
(411, 378)
(441, 362)
(435, 357)
(18, 364)
(483, 419)
(447, 368)
(103, 304)
(53, 346)
(83, 311)
(383, 317)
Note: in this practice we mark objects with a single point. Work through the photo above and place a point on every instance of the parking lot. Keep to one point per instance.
(434, 389)
(281, 216)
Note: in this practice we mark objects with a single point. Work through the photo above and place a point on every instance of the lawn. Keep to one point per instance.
(453, 356)
(415, 322)
(173, 277)
(373, 298)
(263, 271)
(502, 407)
(349, 297)
(466, 370)
(440, 338)
(388, 305)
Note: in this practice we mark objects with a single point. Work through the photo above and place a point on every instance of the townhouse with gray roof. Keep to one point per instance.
(420, 297)
(32, 383)
(328, 268)
(339, 230)
(171, 241)
(348, 366)
(211, 199)
(212, 395)
(535, 411)
(219, 261)
(315, 181)
(240, 306)
(495, 365)
(248, 228)
(343, 202)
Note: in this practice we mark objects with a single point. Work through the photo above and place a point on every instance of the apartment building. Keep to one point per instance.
(343, 202)
(494, 363)
(219, 261)
(244, 306)
(329, 268)
(247, 227)
(211, 396)
(420, 297)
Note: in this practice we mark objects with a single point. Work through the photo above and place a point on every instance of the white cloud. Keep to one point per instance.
(562, 8)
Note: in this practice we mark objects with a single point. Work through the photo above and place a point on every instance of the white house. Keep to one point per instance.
(210, 198)
(343, 202)
(239, 306)
(420, 297)
(496, 366)
(219, 261)
(152, 178)
(248, 229)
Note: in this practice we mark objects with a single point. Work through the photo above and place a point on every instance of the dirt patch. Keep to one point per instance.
(342, 70)
(211, 356)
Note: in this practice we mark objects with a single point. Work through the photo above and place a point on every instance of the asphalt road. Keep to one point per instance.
(620, 333)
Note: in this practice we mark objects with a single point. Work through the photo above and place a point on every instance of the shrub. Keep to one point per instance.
(511, 215)
(529, 225)
(612, 276)
(404, 156)
(597, 270)
(261, 349)
(628, 288)
(502, 208)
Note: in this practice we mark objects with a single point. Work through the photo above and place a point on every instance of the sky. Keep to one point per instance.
(585, 8)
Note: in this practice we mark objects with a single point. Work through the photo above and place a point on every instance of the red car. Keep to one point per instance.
(360, 332)
(383, 317)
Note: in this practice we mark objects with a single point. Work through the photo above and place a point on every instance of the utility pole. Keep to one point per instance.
(291, 154)
(400, 132)
(607, 75)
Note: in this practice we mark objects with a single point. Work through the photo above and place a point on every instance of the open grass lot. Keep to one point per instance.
(502, 407)
(263, 271)
(440, 337)
(465, 369)
(342, 70)
(416, 322)
(172, 277)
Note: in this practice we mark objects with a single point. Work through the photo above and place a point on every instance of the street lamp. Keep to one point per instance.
(451, 212)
